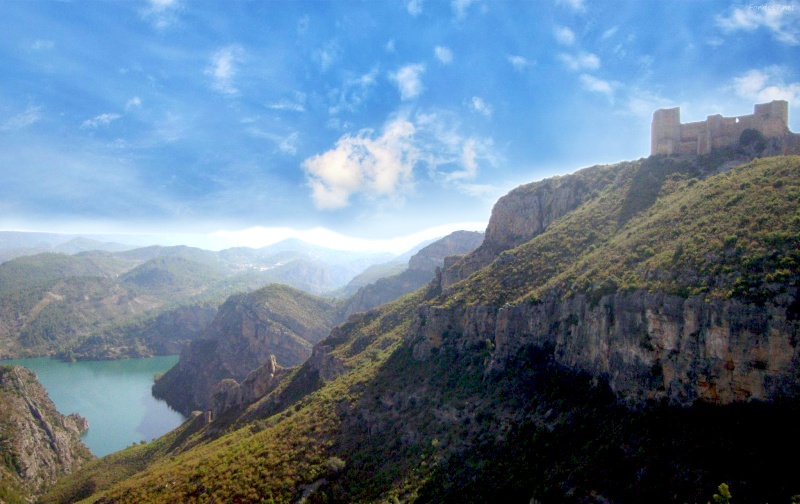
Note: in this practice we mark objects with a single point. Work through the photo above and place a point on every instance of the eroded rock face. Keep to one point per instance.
(42, 443)
(527, 211)
(648, 346)
(248, 332)
(230, 395)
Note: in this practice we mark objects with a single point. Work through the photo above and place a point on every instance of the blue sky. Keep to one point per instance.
(351, 123)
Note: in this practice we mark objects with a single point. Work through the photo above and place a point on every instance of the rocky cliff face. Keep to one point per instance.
(250, 330)
(527, 211)
(648, 346)
(37, 443)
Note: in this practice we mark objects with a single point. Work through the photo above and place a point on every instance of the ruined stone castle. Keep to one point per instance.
(669, 136)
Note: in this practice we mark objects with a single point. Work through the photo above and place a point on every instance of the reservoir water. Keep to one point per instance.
(114, 396)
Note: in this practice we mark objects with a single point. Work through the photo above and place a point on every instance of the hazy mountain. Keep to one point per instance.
(106, 304)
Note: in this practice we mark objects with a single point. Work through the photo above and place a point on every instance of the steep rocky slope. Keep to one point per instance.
(248, 329)
(37, 443)
(642, 346)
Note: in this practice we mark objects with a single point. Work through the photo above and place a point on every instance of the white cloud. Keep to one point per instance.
(519, 63)
(377, 167)
(353, 92)
(414, 7)
(580, 61)
(327, 56)
(595, 85)
(564, 35)
(24, 119)
(609, 33)
(381, 167)
(781, 18)
(443, 54)
(133, 103)
(766, 85)
(161, 13)
(100, 120)
(288, 145)
(408, 80)
(480, 106)
(460, 7)
(296, 104)
(222, 69)
(576, 5)
(390, 46)
(42, 45)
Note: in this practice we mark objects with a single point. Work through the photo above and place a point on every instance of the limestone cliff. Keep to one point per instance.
(647, 346)
(248, 331)
(528, 210)
(37, 443)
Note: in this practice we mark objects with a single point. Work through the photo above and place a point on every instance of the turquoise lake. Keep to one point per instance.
(114, 396)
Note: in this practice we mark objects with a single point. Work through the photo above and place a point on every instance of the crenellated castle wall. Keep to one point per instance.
(669, 136)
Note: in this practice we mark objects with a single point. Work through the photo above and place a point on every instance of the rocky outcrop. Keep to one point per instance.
(230, 395)
(528, 210)
(250, 330)
(648, 346)
(37, 443)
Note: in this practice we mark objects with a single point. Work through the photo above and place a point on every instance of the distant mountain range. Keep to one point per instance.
(153, 300)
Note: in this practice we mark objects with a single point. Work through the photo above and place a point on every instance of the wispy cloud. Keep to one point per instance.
(480, 106)
(780, 18)
(595, 85)
(161, 13)
(42, 45)
(564, 35)
(609, 33)
(29, 116)
(328, 55)
(580, 61)
(408, 80)
(296, 104)
(133, 103)
(443, 54)
(353, 92)
(222, 69)
(414, 7)
(766, 85)
(519, 63)
(288, 145)
(375, 166)
(575, 5)
(460, 7)
(100, 120)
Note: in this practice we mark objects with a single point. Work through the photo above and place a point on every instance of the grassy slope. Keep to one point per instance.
(735, 234)
(439, 431)
(262, 460)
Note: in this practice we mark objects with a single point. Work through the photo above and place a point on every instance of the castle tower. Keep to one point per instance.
(665, 131)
